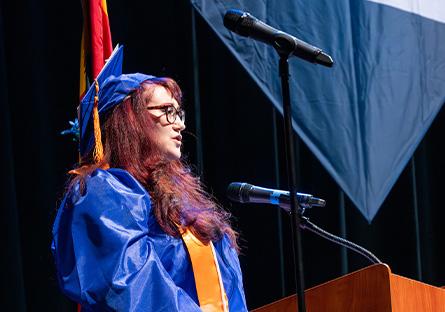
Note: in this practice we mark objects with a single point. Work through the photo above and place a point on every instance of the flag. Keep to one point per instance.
(96, 45)
(363, 118)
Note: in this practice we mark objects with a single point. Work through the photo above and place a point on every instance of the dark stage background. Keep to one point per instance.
(240, 139)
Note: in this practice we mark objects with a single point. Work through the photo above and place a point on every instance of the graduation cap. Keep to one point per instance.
(108, 90)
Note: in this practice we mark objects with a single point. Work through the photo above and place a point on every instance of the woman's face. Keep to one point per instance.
(166, 136)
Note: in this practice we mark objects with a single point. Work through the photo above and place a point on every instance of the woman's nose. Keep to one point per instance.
(179, 124)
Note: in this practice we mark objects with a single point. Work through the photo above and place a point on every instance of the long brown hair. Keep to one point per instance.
(179, 200)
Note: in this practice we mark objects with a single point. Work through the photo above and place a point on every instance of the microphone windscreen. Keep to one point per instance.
(237, 21)
(231, 18)
(238, 192)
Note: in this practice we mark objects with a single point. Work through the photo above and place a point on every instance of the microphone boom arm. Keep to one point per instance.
(305, 224)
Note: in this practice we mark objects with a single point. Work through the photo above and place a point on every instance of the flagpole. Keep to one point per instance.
(292, 181)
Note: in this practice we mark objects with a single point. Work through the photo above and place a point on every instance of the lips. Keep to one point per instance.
(178, 138)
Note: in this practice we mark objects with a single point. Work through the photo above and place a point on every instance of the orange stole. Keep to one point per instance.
(209, 286)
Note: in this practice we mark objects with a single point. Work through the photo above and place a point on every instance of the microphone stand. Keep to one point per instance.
(292, 176)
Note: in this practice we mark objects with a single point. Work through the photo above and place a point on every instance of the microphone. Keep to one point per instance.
(246, 25)
(248, 193)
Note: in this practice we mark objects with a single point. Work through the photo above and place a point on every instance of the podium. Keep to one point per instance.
(373, 289)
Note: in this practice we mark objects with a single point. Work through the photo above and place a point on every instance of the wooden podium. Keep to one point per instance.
(373, 289)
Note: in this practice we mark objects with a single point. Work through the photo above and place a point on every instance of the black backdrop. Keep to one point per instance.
(240, 139)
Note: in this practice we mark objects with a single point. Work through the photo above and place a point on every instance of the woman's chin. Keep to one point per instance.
(174, 155)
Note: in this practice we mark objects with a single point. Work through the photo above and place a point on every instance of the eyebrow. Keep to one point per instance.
(166, 104)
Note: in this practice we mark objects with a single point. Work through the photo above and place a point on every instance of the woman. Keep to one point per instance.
(136, 231)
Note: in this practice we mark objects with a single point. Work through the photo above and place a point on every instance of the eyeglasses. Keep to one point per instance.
(170, 112)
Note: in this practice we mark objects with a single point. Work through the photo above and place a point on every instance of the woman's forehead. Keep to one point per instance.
(159, 95)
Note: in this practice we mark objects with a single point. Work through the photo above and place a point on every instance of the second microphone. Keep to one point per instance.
(248, 193)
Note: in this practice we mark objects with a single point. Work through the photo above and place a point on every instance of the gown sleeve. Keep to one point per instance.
(104, 251)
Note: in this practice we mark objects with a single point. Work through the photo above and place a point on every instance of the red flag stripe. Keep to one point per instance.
(100, 35)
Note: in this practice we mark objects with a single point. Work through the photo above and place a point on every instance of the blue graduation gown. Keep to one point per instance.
(111, 254)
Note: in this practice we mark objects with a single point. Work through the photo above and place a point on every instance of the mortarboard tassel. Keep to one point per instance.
(98, 153)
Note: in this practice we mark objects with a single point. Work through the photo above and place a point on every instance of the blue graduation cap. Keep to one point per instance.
(108, 90)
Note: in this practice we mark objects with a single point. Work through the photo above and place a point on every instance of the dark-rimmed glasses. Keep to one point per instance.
(171, 112)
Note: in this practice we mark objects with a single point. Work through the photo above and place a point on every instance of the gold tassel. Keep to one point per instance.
(98, 153)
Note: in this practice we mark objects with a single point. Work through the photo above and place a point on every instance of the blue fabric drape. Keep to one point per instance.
(364, 118)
